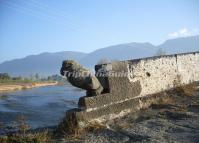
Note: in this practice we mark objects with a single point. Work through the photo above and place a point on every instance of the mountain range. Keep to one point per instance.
(50, 63)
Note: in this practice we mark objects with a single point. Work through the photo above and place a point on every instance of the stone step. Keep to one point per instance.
(83, 117)
(108, 98)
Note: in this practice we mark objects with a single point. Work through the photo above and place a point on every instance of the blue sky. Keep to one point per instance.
(33, 26)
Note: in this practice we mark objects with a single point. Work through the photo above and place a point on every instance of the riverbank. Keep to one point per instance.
(6, 87)
(174, 119)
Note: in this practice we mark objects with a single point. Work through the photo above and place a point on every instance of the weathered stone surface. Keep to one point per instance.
(114, 110)
(139, 86)
(131, 90)
(157, 74)
(81, 77)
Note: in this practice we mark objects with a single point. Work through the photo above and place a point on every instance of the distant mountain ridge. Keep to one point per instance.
(44, 63)
(50, 63)
(119, 52)
(181, 45)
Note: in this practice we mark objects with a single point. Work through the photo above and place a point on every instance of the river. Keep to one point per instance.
(42, 106)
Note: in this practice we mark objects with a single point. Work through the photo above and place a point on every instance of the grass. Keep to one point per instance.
(21, 81)
(68, 126)
(70, 131)
(180, 90)
(42, 137)
(91, 127)
(23, 136)
(9, 81)
(166, 100)
(187, 90)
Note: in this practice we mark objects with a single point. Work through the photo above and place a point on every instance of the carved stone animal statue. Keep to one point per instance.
(81, 77)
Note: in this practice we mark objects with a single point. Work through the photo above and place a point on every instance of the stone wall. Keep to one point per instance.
(157, 74)
(137, 85)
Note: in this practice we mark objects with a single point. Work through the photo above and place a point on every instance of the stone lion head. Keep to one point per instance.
(70, 66)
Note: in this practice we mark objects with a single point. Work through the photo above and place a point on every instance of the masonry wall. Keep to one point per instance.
(157, 74)
(138, 89)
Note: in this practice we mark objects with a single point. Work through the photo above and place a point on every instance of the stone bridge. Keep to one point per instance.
(133, 84)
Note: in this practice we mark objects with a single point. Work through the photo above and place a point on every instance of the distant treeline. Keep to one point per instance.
(6, 78)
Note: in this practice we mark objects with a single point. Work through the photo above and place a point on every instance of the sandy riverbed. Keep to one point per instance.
(21, 86)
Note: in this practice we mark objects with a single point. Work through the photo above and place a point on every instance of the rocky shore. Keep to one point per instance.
(21, 86)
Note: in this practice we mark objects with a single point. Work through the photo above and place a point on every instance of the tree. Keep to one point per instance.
(160, 52)
(49, 78)
(4, 76)
(37, 76)
(103, 61)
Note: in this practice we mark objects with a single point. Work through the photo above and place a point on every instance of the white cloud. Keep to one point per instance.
(174, 34)
(183, 33)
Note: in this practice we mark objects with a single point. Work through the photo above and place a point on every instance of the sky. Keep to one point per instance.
(30, 27)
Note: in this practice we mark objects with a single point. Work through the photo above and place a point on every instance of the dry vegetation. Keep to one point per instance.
(42, 137)
(23, 136)
(71, 132)
(187, 90)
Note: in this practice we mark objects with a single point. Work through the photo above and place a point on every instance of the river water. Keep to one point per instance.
(42, 107)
